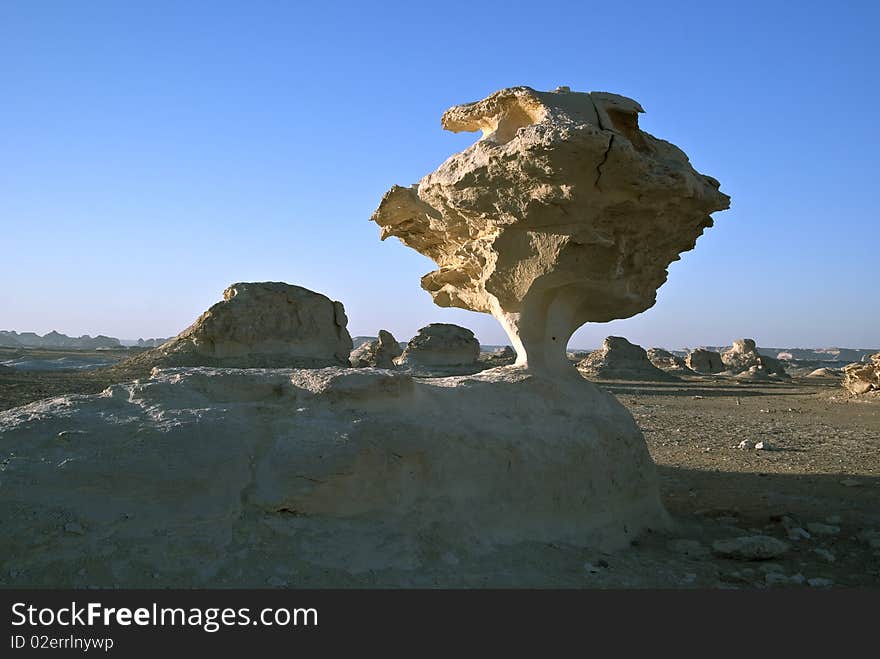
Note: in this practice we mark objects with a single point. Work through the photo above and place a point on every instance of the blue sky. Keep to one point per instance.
(151, 153)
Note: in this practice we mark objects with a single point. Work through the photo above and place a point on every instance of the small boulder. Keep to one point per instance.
(379, 353)
(750, 548)
(441, 345)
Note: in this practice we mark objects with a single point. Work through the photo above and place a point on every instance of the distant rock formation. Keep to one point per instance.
(825, 373)
(618, 359)
(150, 343)
(379, 353)
(743, 360)
(666, 361)
(260, 325)
(441, 345)
(707, 362)
(505, 356)
(57, 340)
(861, 378)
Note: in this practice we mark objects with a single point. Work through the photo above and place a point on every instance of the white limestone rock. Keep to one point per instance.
(564, 212)
(380, 353)
(707, 362)
(744, 361)
(618, 359)
(260, 325)
(441, 345)
(863, 377)
(195, 471)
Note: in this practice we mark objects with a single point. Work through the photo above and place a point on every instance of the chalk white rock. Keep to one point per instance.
(380, 353)
(564, 212)
(198, 472)
(260, 325)
(441, 345)
(619, 359)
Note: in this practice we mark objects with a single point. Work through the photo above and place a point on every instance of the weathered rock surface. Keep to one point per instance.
(666, 361)
(564, 212)
(743, 360)
(618, 359)
(750, 548)
(260, 325)
(505, 356)
(200, 475)
(863, 377)
(707, 362)
(825, 373)
(442, 345)
(379, 353)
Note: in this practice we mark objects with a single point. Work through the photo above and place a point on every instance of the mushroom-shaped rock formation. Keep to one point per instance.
(665, 360)
(379, 353)
(704, 361)
(860, 378)
(259, 325)
(441, 344)
(564, 212)
(744, 360)
(618, 359)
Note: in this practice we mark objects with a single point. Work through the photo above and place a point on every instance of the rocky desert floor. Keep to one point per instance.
(816, 490)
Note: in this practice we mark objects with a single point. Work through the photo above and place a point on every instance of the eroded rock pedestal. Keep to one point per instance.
(618, 359)
(564, 212)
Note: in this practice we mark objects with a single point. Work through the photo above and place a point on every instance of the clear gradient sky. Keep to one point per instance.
(151, 153)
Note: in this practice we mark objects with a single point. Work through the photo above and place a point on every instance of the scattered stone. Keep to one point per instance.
(752, 548)
(798, 533)
(746, 445)
(763, 446)
(825, 554)
(798, 578)
(820, 582)
(74, 528)
(688, 547)
(776, 579)
(823, 529)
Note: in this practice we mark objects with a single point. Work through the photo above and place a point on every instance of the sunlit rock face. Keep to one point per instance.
(260, 325)
(862, 378)
(564, 212)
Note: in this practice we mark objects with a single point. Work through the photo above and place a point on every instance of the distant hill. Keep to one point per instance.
(12, 339)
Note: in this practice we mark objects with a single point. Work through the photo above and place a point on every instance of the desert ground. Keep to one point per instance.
(817, 489)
